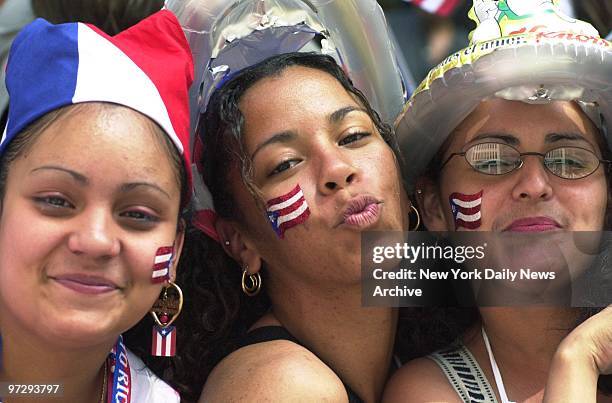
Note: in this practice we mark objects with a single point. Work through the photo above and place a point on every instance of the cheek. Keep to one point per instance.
(148, 264)
(381, 172)
(24, 249)
(24, 255)
(586, 205)
(380, 163)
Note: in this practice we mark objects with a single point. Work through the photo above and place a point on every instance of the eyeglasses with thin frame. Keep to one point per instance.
(566, 162)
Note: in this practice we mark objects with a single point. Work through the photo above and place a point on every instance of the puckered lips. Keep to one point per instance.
(361, 212)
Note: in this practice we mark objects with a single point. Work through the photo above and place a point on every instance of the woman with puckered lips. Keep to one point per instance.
(299, 166)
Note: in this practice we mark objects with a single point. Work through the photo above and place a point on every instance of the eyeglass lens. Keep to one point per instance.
(499, 159)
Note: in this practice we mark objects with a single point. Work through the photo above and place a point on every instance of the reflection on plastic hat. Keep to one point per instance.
(520, 50)
(228, 36)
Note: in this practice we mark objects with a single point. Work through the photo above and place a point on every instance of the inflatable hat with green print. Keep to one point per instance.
(525, 50)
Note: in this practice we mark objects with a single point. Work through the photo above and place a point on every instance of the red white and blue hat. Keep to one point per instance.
(147, 68)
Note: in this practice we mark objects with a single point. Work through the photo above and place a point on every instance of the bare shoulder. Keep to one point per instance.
(419, 380)
(273, 371)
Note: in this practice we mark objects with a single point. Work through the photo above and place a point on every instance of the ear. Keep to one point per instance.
(238, 246)
(178, 247)
(430, 205)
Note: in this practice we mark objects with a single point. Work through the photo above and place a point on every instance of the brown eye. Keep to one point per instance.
(353, 137)
(283, 166)
(138, 219)
(139, 216)
(53, 202)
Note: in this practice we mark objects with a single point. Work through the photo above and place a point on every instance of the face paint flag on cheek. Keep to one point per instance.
(287, 211)
(466, 209)
(161, 265)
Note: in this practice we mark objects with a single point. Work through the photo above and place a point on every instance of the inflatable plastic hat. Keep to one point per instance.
(147, 68)
(520, 50)
(228, 35)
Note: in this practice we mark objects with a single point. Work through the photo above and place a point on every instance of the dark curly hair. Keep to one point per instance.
(217, 313)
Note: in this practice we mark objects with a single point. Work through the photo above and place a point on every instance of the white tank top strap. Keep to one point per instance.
(501, 389)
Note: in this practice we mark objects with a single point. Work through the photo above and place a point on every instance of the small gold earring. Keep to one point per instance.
(418, 218)
(255, 280)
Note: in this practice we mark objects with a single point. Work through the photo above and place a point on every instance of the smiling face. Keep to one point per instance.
(86, 207)
(529, 198)
(303, 128)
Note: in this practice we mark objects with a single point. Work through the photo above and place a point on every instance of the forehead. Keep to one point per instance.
(90, 135)
(297, 94)
(529, 123)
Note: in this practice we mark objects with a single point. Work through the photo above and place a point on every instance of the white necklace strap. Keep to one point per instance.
(498, 378)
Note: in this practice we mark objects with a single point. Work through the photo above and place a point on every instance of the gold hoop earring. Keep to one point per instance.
(165, 311)
(418, 218)
(255, 280)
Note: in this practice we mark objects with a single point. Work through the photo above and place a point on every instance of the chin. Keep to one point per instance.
(79, 329)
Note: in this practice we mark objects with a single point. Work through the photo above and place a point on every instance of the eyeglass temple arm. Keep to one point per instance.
(461, 154)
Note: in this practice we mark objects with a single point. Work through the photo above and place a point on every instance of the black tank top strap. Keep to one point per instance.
(267, 333)
(271, 333)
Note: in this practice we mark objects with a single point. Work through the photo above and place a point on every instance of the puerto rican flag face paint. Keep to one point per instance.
(466, 209)
(287, 211)
(161, 264)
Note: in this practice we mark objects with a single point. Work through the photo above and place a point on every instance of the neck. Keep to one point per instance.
(530, 331)
(523, 341)
(27, 359)
(333, 324)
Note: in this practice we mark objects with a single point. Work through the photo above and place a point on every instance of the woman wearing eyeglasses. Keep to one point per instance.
(521, 152)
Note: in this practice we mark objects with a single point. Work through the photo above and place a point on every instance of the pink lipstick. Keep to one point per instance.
(85, 284)
(533, 224)
(362, 211)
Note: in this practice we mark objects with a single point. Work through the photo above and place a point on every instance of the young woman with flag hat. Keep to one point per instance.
(93, 179)
(511, 136)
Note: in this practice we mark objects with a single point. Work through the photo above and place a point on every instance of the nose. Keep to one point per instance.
(94, 235)
(533, 182)
(337, 171)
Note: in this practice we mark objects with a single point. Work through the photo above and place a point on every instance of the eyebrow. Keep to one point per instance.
(553, 137)
(282, 137)
(81, 179)
(337, 116)
(512, 140)
(289, 136)
(130, 186)
(506, 138)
